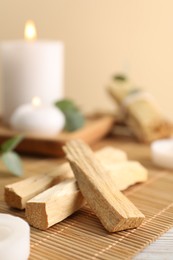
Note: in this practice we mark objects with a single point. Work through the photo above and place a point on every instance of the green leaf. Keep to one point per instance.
(120, 77)
(65, 104)
(11, 144)
(13, 163)
(74, 118)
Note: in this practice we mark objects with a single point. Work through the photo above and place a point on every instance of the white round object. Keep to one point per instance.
(14, 238)
(162, 153)
(31, 69)
(42, 120)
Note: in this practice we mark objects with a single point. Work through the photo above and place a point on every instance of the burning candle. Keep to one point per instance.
(37, 118)
(31, 68)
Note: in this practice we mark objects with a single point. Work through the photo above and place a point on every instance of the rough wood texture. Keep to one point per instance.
(17, 194)
(62, 200)
(54, 204)
(113, 209)
(95, 129)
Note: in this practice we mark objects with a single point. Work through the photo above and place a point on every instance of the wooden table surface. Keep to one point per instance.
(160, 249)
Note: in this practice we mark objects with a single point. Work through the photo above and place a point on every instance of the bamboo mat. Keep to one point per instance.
(81, 236)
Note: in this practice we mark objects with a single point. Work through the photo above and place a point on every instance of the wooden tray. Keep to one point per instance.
(96, 128)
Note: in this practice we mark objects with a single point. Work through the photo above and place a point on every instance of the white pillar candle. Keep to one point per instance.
(162, 153)
(31, 68)
(14, 238)
(37, 118)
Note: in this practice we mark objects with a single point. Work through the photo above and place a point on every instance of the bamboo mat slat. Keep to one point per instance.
(81, 236)
(160, 249)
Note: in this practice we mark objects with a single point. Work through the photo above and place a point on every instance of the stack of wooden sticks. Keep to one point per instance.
(96, 178)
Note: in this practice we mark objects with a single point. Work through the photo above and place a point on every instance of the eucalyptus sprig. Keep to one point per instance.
(10, 158)
(73, 116)
(120, 77)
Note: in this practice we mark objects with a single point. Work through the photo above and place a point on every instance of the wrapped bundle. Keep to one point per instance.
(139, 109)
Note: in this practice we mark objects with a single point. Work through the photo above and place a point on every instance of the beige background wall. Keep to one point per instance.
(101, 37)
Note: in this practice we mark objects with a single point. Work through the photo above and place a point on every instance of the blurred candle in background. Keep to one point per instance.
(31, 68)
(38, 119)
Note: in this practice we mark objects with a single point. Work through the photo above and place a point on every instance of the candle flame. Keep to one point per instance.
(36, 101)
(30, 31)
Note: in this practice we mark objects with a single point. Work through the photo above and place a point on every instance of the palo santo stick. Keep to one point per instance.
(125, 174)
(142, 114)
(111, 155)
(113, 209)
(54, 204)
(61, 200)
(17, 194)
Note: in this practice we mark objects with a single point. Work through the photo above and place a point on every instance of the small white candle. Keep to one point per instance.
(30, 68)
(162, 153)
(14, 238)
(38, 119)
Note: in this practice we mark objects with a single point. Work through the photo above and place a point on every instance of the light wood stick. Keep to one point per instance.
(111, 155)
(17, 194)
(142, 114)
(61, 200)
(113, 209)
(54, 204)
(125, 174)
